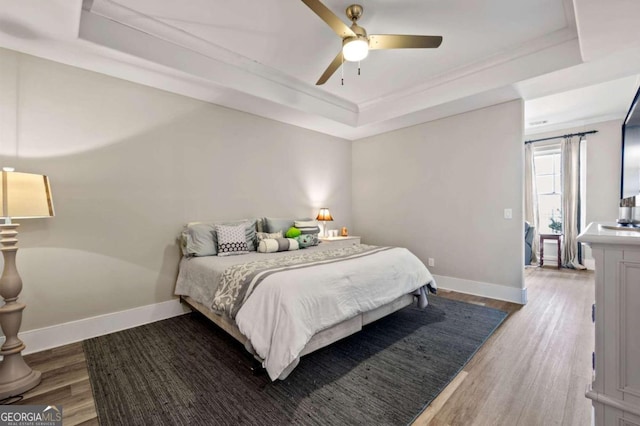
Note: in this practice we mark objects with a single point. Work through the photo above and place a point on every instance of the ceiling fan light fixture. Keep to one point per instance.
(355, 41)
(355, 49)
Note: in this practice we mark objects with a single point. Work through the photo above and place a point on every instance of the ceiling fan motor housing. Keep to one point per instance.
(354, 12)
(360, 32)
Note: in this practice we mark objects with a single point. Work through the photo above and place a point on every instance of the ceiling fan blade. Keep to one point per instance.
(330, 18)
(395, 41)
(333, 66)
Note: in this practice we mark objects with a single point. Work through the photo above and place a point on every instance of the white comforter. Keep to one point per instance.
(289, 307)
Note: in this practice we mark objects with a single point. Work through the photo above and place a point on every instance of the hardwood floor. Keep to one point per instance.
(532, 371)
(65, 381)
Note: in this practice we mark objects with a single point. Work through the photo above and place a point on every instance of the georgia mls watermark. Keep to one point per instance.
(30, 415)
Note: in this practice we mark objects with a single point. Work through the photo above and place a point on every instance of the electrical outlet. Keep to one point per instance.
(508, 214)
(432, 262)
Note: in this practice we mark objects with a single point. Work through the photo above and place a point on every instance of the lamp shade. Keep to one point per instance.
(324, 214)
(25, 195)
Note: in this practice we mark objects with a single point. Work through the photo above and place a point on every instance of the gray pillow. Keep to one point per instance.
(307, 227)
(200, 238)
(277, 224)
(197, 239)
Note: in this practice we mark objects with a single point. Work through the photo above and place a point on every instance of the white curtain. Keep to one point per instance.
(531, 199)
(570, 201)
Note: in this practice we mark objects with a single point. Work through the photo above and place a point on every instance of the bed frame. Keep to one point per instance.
(320, 339)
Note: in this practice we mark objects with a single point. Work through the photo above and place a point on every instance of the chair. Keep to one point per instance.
(528, 242)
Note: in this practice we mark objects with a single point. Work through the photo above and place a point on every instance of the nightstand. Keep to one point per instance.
(555, 237)
(341, 241)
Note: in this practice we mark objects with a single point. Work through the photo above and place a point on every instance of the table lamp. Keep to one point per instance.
(324, 216)
(23, 195)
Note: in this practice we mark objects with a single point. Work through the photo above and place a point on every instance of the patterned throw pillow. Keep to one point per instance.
(309, 227)
(231, 240)
(249, 232)
(307, 240)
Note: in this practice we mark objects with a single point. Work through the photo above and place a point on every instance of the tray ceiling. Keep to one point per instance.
(264, 57)
(286, 36)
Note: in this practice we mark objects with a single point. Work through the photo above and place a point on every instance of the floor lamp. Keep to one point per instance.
(24, 195)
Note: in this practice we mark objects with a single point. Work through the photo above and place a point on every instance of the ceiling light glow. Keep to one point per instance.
(355, 50)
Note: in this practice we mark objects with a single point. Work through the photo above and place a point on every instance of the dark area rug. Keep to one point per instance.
(187, 371)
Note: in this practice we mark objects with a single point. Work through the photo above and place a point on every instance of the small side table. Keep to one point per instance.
(555, 237)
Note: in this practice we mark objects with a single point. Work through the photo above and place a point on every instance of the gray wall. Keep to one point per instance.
(129, 165)
(440, 189)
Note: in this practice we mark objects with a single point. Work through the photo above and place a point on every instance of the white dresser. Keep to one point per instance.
(615, 390)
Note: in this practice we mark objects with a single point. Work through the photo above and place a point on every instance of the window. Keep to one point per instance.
(548, 168)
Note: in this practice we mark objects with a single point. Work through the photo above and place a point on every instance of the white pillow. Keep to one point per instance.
(305, 223)
(264, 235)
(272, 245)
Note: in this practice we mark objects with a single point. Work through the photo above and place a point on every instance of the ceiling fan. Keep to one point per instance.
(355, 41)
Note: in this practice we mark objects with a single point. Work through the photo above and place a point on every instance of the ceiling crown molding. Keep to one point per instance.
(137, 21)
(565, 35)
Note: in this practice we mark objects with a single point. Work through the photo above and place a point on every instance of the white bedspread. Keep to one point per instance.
(289, 307)
(199, 277)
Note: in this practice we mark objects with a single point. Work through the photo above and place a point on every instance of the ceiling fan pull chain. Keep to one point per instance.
(358, 67)
(342, 71)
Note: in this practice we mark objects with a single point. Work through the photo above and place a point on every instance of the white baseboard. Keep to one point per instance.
(75, 331)
(70, 332)
(590, 264)
(479, 288)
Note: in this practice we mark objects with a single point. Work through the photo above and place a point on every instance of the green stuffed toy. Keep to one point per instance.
(305, 240)
(293, 232)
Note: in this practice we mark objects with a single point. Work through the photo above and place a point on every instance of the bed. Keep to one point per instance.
(284, 305)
